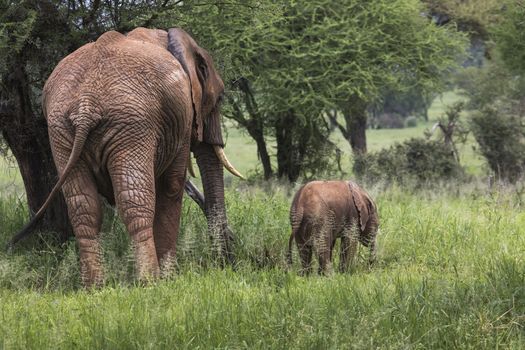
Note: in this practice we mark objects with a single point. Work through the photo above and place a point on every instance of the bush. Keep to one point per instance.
(416, 159)
(411, 122)
(389, 121)
(500, 136)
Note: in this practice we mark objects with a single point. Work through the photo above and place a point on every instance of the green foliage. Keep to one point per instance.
(501, 139)
(387, 121)
(509, 35)
(356, 48)
(411, 122)
(496, 100)
(16, 25)
(450, 274)
(473, 16)
(321, 55)
(301, 57)
(416, 160)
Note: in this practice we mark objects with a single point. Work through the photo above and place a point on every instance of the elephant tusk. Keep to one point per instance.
(190, 167)
(225, 162)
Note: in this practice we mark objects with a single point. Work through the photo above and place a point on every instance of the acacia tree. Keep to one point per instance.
(384, 46)
(509, 35)
(318, 56)
(26, 47)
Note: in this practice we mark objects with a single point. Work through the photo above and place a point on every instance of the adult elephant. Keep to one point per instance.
(123, 114)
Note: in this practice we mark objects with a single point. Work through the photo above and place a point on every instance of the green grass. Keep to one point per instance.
(10, 179)
(450, 274)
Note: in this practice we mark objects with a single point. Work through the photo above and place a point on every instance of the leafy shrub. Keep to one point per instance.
(410, 122)
(389, 121)
(416, 159)
(500, 135)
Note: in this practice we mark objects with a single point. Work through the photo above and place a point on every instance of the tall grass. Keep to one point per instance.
(450, 274)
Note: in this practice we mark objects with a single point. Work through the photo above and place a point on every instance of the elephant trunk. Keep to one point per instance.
(211, 169)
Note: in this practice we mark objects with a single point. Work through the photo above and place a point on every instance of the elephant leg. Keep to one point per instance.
(325, 260)
(348, 248)
(332, 249)
(373, 252)
(85, 212)
(133, 182)
(323, 244)
(304, 247)
(170, 189)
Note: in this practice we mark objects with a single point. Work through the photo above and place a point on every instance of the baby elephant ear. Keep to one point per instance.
(361, 202)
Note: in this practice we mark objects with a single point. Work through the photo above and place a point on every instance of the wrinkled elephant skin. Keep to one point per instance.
(323, 211)
(123, 113)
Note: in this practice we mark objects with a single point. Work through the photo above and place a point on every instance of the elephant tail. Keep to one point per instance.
(81, 134)
(296, 218)
(289, 252)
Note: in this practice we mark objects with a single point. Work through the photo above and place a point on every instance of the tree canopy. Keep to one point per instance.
(509, 35)
(322, 55)
(287, 64)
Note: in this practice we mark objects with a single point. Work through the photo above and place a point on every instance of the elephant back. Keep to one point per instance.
(153, 36)
(108, 38)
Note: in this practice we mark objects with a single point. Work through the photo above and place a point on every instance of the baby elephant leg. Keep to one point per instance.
(305, 253)
(323, 245)
(348, 248)
(373, 251)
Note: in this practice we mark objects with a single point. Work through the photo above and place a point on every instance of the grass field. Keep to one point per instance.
(450, 274)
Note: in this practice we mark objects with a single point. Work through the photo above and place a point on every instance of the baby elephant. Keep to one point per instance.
(323, 211)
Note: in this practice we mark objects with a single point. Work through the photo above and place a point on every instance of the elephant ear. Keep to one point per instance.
(362, 204)
(182, 46)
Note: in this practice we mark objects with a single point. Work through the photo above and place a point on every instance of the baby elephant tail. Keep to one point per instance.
(296, 218)
(289, 252)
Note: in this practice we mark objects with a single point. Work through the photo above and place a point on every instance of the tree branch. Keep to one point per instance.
(333, 119)
(87, 20)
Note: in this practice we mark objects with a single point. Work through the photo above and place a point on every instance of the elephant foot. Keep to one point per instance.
(146, 257)
(91, 272)
(92, 277)
(326, 270)
(224, 242)
(305, 272)
(373, 255)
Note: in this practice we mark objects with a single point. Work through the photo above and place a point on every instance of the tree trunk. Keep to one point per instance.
(257, 134)
(356, 119)
(288, 159)
(254, 125)
(33, 155)
(26, 135)
(427, 102)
